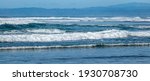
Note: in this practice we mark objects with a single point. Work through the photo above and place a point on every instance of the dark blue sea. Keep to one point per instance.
(75, 40)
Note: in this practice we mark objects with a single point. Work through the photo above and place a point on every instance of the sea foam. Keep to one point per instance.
(27, 20)
(72, 36)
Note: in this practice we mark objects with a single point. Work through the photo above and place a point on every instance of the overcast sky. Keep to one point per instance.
(63, 3)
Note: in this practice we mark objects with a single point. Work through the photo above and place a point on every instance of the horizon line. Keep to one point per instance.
(79, 8)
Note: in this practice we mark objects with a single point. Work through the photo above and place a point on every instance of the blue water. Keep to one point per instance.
(108, 55)
(74, 40)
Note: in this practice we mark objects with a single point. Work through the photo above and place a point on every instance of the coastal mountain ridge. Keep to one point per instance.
(128, 9)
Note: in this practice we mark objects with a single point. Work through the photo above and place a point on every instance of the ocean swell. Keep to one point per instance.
(72, 36)
(27, 20)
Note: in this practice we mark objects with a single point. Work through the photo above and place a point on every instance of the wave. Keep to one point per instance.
(129, 19)
(61, 28)
(27, 20)
(35, 31)
(75, 46)
(47, 31)
(141, 27)
(42, 25)
(72, 36)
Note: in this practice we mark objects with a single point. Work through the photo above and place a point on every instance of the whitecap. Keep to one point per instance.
(27, 20)
(107, 34)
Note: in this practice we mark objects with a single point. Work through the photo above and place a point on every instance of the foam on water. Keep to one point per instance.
(140, 33)
(107, 34)
(139, 19)
(47, 31)
(142, 27)
(73, 46)
(27, 20)
(35, 31)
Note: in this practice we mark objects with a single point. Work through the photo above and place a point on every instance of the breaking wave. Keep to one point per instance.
(27, 20)
(35, 31)
(68, 32)
(74, 46)
(71, 36)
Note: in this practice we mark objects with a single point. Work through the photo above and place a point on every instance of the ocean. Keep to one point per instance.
(74, 40)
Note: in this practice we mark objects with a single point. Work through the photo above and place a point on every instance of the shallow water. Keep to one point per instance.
(106, 55)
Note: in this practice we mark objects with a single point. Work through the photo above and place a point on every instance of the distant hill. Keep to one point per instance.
(128, 9)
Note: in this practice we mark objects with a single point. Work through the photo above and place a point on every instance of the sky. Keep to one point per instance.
(63, 3)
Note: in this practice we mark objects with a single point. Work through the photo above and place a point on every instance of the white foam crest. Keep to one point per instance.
(135, 19)
(143, 26)
(12, 32)
(48, 31)
(17, 21)
(63, 36)
(45, 47)
(36, 31)
(139, 26)
(27, 20)
(72, 36)
(140, 33)
(73, 46)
